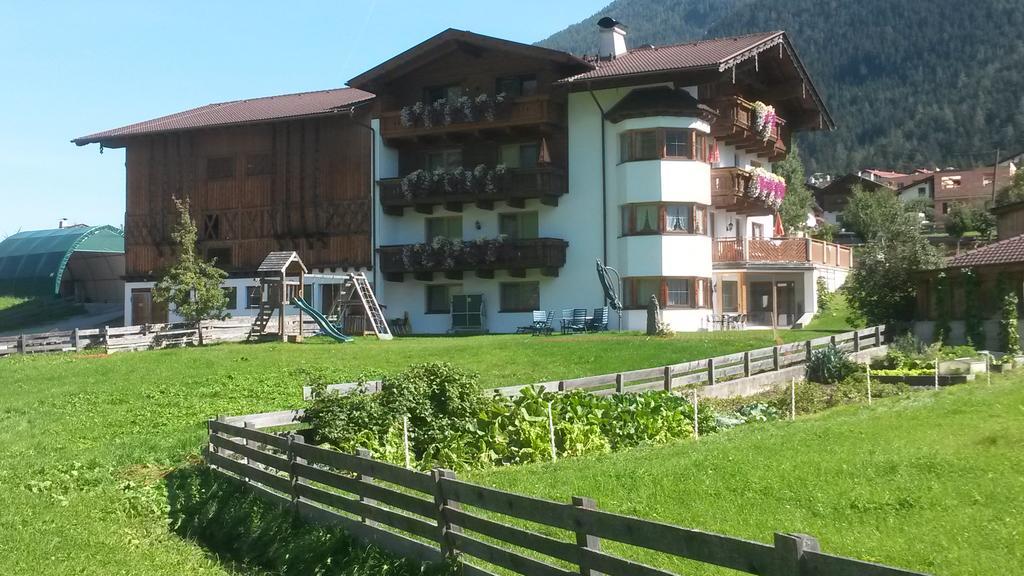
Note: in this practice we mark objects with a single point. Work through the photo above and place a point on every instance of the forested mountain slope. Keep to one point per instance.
(910, 83)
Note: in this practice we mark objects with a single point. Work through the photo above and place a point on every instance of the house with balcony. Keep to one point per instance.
(503, 171)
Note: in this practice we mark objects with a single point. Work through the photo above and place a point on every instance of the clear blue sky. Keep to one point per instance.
(73, 68)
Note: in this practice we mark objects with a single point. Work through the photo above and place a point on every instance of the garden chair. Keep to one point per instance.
(577, 321)
(541, 323)
(599, 321)
(566, 319)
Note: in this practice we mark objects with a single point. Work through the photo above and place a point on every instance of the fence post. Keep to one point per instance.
(832, 340)
(21, 344)
(619, 387)
(711, 371)
(76, 340)
(789, 552)
(856, 341)
(364, 453)
(878, 336)
(668, 379)
(444, 526)
(293, 474)
(746, 364)
(775, 359)
(809, 348)
(586, 541)
(106, 338)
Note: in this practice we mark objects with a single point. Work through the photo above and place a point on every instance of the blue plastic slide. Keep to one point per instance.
(321, 320)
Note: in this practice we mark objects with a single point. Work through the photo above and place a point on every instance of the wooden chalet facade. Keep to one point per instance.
(287, 172)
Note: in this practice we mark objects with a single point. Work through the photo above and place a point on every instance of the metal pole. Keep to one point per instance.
(696, 426)
(936, 373)
(868, 365)
(405, 439)
(792, 399)
(551, 433)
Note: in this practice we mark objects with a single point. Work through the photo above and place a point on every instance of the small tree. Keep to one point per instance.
(872, 213)
(942, 305)
(798, 201)
(1014, 192)
(974, 317)
(984, 223)
(959, 220)
(191, 285)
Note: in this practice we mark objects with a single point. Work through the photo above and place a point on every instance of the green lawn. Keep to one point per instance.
(931, 482)
(18, 312)
(835, 318)
(85, 440)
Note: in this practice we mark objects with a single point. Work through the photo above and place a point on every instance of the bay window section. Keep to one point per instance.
(664, 144)
(664, 218)
(671, 292)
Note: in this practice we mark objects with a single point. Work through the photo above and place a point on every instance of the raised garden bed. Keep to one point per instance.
(919, 380)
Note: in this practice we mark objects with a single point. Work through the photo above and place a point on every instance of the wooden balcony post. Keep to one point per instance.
(809, 251)
(746, 248)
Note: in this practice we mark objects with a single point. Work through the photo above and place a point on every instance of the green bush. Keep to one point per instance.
(829, 365)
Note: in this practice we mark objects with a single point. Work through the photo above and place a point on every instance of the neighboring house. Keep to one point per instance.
(975, 186)
(884, 177)
(81, 263)
(1000, 264)
(835, 197)
(921, 188)
(289, 172)
(1009, 220)
(502, 172)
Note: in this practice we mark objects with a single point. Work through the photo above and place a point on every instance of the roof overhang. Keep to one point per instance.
(452, 39)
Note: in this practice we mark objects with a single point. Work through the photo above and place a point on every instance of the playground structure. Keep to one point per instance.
(277, 292)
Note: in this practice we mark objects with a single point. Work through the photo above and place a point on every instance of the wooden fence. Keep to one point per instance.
(703, 373)
(431, 516)
(141, 337)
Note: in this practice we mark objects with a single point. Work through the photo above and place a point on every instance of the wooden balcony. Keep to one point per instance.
(546, 184)
(515, 256)
(745, 251)
(729, 192)
(735, 126)
(539, 113)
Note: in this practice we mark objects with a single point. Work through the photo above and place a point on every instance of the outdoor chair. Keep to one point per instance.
(599, 321)
(575, 322)
(541, 323)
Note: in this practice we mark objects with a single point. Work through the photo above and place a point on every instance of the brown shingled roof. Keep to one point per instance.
(712, 53)
(1009, 251)
(240, 112)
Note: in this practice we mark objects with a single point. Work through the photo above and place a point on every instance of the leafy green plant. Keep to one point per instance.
(1008, 331)
(829, 365)
(974, 318)
(824, 295)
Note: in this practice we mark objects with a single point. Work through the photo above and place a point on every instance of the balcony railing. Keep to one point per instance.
(483, 257)
(781, 251)
(735, 125)
(516, 186)
(729, 192)
(521, 112)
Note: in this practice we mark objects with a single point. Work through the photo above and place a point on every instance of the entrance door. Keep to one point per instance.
(786, 292)
(761, 304)
(145, 310)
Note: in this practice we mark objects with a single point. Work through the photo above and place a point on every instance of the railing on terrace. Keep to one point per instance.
(520, 112)
(735, 126)
(545, 183)
(545, 254)
(431, 517)
(782, 251)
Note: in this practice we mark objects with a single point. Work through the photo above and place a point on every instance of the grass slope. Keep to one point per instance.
(930, 482)
(85, 441)
(18, 312)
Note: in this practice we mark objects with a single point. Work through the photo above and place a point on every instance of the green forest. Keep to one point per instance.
(911, 83)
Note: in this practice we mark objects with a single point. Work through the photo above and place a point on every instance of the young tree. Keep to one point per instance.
(959, 220)
(191, 285)
(984, 223)
(798, 201)
(870, 214)
(882, 287)
(1014, 192)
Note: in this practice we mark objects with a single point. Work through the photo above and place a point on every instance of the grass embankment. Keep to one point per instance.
(930, 481)
(18, 312)
(835, 317)
(85, 442)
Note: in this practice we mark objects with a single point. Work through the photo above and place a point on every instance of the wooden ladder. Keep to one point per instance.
(372, 307)
(260, 322)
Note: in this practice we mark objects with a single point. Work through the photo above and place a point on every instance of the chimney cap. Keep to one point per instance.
(609, 22)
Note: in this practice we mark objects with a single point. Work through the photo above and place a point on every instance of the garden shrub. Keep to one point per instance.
(825, 297)
(829, 365)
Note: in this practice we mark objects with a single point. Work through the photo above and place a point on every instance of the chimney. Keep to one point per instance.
(612, 38)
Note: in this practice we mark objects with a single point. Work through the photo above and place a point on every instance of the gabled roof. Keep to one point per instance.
(279, 262)
(428, 48)
(913, 183)
(846, 183)
(885, 173)
(1009, 251)
(238, 112)
(717, 53)
(33, 263)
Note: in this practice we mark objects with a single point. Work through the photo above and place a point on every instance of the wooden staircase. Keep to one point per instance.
(371, 306)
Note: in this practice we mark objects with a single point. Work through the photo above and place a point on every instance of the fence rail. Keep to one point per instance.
(706, 373)
(431, 516)
(139, 337)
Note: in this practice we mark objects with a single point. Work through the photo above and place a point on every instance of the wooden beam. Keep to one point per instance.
(485, 204)
(549, 200)
(453, 275)
(485, 274)
(394, 277)
(517, 272)
(394, 210)
(516, 202)
(424, 208)
(453, 206)
(550, 272)
(424, 276)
